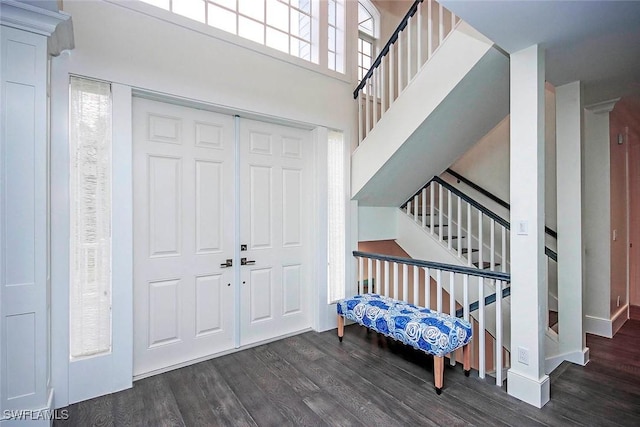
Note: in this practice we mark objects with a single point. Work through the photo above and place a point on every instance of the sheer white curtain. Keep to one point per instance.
(336, 216)
(90, 212)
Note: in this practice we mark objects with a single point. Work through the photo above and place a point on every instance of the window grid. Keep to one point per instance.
(365, 56)
(332, 44)
(284, 25)
(366, 41)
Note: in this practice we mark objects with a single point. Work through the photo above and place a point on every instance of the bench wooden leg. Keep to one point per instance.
(340, 327)
(438, 372)
(466, 359)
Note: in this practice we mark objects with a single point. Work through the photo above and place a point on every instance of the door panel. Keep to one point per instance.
(164, 312)
(183, 232)
(260, 207)
(274, 223)
(165, 206)
(261, 295)
(209, 291)
(291, 289)
(209, 202)
(292, 209)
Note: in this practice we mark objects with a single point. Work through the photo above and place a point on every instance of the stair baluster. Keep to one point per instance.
(400, 60)
(481, 329)
(498, 341)
(449, 227)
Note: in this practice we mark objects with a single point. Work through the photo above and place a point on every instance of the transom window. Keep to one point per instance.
(286, 25)
(365, 21)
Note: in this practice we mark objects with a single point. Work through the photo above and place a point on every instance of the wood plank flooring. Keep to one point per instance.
(367, 380)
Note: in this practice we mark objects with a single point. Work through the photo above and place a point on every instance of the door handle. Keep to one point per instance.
(228, 263)
(243, 261)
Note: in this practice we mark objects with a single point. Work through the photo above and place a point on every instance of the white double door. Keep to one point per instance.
(209, 191)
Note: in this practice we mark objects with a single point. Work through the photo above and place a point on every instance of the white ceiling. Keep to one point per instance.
(597, 42)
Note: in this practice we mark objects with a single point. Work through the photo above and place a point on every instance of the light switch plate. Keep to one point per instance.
(523, 227)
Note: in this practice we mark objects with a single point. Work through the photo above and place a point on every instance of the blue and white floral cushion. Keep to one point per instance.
(430, 331)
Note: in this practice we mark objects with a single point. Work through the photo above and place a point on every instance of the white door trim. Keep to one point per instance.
(61, 70)
(116, 367)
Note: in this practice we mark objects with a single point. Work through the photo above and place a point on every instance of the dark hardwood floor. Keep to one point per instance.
(368, 380)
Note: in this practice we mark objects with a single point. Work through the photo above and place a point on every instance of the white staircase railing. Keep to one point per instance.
(416, 39)
(445, 288)
(473, 232)
(476, 235)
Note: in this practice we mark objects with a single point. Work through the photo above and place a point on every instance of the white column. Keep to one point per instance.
(597, 219)
(526, 378)
(569, 213)
(23, 242)
(25, 348)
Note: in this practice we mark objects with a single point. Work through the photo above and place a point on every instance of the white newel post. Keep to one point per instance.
(28, 35)
(527, 379)
(569, 149)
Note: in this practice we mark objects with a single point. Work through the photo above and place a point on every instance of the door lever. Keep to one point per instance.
(243, 261)
(229, 263)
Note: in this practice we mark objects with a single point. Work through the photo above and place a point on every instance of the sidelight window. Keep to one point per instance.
(90, 225)
(336, 216)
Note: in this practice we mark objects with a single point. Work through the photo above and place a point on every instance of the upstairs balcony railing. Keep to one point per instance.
(416, 39)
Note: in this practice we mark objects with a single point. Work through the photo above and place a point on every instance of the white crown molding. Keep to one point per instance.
(57, 26)
(603, 107)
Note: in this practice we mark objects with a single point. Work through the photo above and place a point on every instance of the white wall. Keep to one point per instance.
(391, 12)
(377, 223)
(117, 44)
(487, 162)
(597, 216)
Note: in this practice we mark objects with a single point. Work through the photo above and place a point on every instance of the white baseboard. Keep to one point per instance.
(535, 392)
(606, 327)
(598, 326)
(619, 319)
(216, 355)
(34, 417)
(580, 357)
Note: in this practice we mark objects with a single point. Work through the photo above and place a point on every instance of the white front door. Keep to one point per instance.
(183, 232)
(187, 303)
(275, 227)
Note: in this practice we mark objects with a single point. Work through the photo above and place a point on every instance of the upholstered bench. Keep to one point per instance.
(434, 333)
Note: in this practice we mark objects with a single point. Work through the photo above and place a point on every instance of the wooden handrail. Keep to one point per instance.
(488, 300)
(548, 252)
(479, 189)
(487, 274)
(497, 218)
(492, 196)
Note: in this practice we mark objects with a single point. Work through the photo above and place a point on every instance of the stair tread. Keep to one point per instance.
(452, 237)
(466, 250)
(486, 264)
